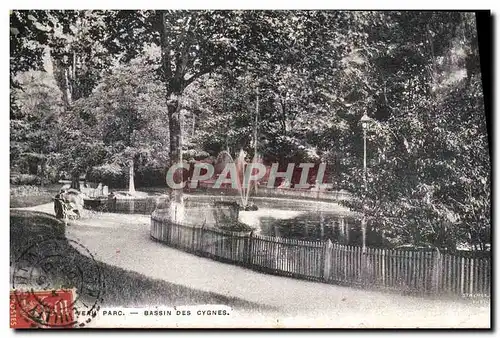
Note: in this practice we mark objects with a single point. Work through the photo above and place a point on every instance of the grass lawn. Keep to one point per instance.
(23, 196)
(122, 287)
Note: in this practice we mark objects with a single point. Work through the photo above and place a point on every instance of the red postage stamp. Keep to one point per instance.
(41, 309)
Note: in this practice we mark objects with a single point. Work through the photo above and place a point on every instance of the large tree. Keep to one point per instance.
(33, 140)
(69, 42)
(195, 43)
(128, 116)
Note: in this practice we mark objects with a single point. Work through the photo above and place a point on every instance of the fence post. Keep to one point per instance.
(436, 271)
(471, 275)
(167, 230)
(383, 267)
(327, 259)
(200, 247)
(193, 237)
(462, 271)
(248, 249)
(364, 266)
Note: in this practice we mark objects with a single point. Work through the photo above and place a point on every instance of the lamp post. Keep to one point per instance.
(365, 122)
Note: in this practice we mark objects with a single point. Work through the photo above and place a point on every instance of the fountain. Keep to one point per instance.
(244, 183)
(238, 214)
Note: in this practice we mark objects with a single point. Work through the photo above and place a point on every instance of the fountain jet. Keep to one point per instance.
(244, 172)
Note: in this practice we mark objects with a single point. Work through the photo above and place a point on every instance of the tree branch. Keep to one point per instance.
(202, 71)
(182, 47)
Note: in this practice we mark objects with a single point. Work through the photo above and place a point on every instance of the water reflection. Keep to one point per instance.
(289, 218)
(320, 226)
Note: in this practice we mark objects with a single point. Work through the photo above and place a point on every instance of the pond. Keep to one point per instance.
(320, 226)
(281, 217)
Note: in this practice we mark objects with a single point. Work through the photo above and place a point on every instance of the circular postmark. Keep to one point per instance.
(57, 283)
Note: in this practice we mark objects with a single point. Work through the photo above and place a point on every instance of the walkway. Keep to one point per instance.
(123, 240)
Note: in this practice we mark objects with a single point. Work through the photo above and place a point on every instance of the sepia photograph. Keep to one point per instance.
(250, 169)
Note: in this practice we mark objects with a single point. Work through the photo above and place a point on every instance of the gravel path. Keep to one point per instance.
(123, 240)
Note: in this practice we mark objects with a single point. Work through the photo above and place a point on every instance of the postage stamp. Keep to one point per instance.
(42, 309)
(52, 289)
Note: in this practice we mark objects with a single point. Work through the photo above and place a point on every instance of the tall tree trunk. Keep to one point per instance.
(174, 127)
(174, 87)
(175, 133)
(131, 186)
(62, 76)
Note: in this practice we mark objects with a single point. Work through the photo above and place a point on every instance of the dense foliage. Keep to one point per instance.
(114, 94)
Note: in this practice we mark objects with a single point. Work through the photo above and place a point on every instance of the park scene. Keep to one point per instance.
(304, 168)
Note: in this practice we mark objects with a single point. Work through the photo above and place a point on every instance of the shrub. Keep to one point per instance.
(22, 196)
(150, 177)
(25, 179)
(52, 175)
(26, 190)
(236, 227)
(111, 175)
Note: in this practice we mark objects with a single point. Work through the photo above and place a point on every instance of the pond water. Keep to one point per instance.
(312, 226)
(287, 218)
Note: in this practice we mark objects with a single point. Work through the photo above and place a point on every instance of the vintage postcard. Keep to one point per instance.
(250, 169)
